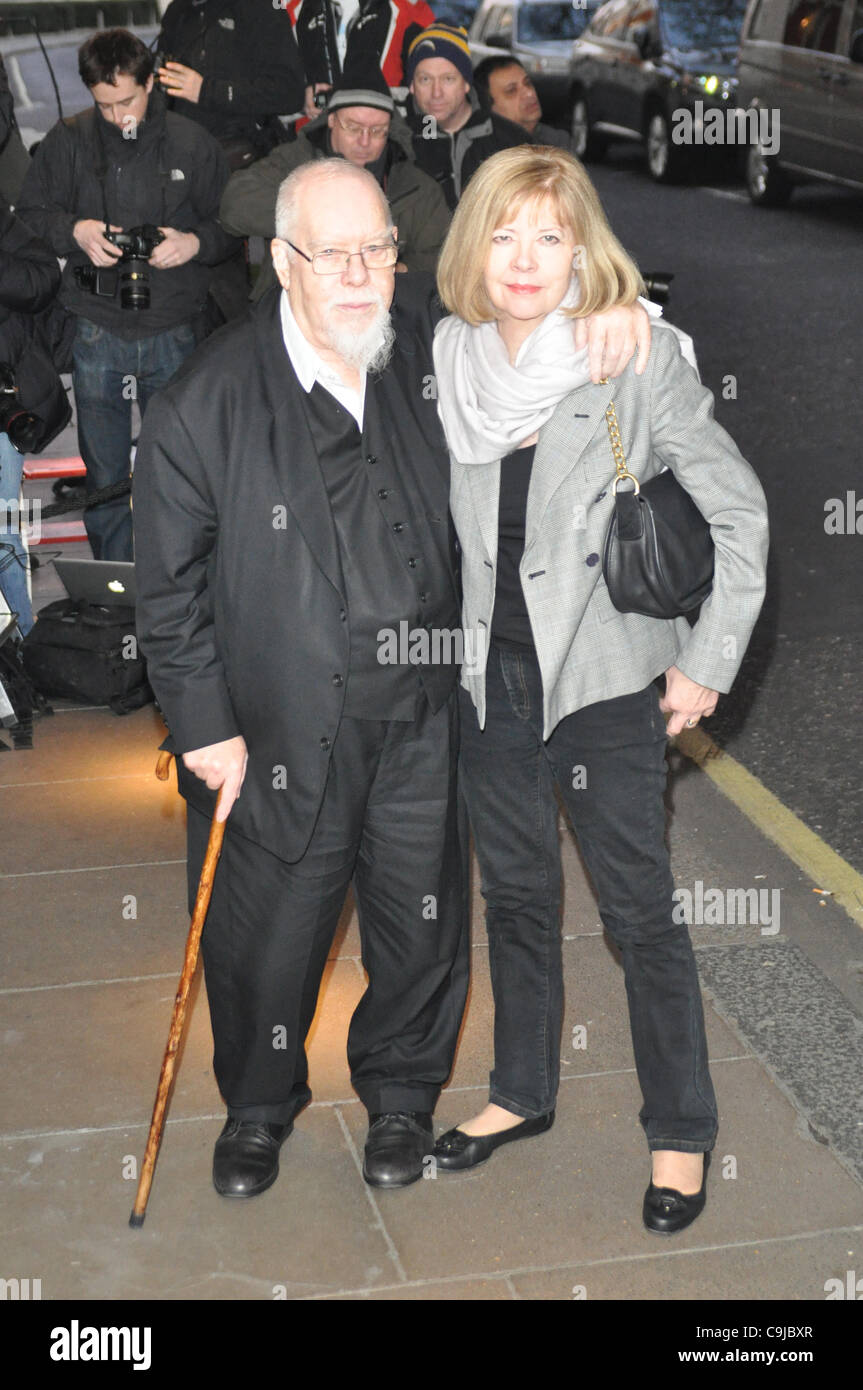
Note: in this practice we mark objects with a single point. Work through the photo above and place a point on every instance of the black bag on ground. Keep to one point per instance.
(82, 651)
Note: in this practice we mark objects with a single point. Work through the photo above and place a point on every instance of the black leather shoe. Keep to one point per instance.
(455, 1149)
(246, 1157)
(397, 1143)
(667, 1211)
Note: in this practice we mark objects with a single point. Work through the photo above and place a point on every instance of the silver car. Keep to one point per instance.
(801, 73)
(539, 33)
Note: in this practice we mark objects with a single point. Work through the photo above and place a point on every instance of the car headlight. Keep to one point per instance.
(714, 86)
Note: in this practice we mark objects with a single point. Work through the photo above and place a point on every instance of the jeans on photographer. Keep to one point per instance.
(608, 762)
(14, 561)
(107, 374)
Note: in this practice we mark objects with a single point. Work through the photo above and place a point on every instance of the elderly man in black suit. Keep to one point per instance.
(291, 504)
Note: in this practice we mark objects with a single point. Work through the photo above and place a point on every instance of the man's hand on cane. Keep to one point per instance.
(220, 765)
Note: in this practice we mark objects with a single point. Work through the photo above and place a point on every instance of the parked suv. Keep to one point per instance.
(539, 33)
(654, 72)
(803, 59)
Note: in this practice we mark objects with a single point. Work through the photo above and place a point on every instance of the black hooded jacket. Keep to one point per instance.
(171, 175)
(246, 52)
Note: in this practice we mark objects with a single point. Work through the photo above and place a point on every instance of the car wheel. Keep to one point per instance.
(585, 143)
(768, 186)
(667, 162)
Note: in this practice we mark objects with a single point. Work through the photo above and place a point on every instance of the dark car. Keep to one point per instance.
(457, 12)
(539, 33)
(801, 75)
(663, 73)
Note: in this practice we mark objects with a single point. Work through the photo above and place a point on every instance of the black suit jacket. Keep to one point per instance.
(241, 603)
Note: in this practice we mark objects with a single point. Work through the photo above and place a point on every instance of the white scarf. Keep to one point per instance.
(487, 405)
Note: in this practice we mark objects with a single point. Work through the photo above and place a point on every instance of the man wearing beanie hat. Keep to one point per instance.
(452, 132)
(360, 124)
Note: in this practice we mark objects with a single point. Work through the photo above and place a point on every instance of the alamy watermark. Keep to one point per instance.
(726, 126)
(19, 517)
(728, 907)
(433, 646)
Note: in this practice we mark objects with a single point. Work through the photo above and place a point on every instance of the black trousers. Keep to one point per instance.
(608, 762)
(392, 822)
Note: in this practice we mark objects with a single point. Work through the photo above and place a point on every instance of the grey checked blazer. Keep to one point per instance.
(587, 650)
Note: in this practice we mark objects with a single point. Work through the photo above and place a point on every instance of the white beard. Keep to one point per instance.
(369, 351)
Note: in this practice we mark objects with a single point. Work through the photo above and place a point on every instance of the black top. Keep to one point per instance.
(246, 52)
(510, 623)
(392, 582)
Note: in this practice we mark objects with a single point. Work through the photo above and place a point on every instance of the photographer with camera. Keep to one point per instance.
(29, 280)
(129, 193)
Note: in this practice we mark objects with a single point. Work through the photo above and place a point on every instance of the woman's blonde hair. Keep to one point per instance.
(496, 192)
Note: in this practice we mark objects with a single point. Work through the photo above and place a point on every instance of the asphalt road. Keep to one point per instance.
(774, 299)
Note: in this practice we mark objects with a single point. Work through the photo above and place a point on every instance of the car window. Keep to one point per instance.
(541, 23)
(498, 21)
(709, 25)
(813, 25)
(481, 23)
(856, 25)
(768, 19)
(454, 12)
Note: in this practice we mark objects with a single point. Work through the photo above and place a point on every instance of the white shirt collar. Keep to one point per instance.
(310, 368)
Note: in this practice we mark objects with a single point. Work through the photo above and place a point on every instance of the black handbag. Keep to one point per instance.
(658, 554)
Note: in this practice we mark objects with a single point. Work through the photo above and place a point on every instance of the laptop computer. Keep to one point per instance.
(109, 583)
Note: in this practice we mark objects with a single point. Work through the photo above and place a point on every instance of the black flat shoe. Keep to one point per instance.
(397, 1144)
(246, 1157)
(667, 1211)
(455, 1149)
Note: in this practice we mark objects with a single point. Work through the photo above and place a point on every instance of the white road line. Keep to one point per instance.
(64, 781)
(93, 868)
(727, 193)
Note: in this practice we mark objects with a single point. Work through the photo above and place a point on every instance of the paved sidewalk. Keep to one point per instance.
(92, 900)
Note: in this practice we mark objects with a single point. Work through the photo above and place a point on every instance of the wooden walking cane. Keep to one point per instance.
(178, 1018)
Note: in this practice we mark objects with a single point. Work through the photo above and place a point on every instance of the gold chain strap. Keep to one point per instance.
(617, 445)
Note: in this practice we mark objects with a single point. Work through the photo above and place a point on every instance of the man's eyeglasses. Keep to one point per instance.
(354, 128)
(375, 257)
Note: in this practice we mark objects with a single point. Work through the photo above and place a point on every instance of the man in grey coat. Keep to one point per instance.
(360, 125)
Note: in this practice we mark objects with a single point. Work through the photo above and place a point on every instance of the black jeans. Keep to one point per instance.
(608, 761)
(390, 821)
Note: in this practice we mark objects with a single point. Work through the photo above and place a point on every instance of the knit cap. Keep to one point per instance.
(440, 41)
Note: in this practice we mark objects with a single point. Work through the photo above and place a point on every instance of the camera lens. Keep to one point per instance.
(23, 430)
(134, 285)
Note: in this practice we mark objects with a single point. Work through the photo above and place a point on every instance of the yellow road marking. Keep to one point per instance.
(819, 862)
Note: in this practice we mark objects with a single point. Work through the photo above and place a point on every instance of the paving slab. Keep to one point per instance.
(82, 742)
(91, 1056)
(82, 825)
(795, 1268)
(107, 924)
(575, 1193)
(65, 1207)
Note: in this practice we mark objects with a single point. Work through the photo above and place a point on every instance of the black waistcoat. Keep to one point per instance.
(396, 577)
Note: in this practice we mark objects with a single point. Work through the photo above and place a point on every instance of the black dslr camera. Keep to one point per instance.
(130, 272)
(22, 426)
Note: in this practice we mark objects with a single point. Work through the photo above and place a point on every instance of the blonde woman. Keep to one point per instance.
(562, 691)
